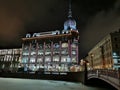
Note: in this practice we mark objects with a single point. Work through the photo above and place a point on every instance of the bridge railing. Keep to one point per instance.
(106, 72)
(110, 76)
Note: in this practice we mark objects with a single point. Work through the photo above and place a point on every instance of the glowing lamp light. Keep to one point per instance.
(114, 54)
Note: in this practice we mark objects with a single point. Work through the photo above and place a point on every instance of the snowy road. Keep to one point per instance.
(27, 84)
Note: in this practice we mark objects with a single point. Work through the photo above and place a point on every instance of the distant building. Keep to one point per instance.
(106, 54)
(10, 59)
(53, 50)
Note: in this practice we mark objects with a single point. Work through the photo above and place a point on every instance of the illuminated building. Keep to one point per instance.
(53, 50)
(10, 59)
(106, 54)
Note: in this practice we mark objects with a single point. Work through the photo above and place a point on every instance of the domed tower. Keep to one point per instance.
(70, 23)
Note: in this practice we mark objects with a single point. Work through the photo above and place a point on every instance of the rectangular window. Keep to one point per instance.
(74, 59)
(47, 53)
(56, 45)
(26, 47)
(40, 46)
(25, 53)
(63, 59)
(40, 52)
(32, 59)
(33, 53)
(116, 46)
(64, 45)
(74, 52)
(48, 46)
(64, 52)
(56, 58)
(10, 51)
(40, 60)
(25, 60)
(47, 59)
(115, 39)
(74, 45)
(118, 61)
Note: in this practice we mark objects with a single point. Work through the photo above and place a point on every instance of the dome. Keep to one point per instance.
(70, 24)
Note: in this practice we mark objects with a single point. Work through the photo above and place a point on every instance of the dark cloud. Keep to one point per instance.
(95, 19)
(99, 25)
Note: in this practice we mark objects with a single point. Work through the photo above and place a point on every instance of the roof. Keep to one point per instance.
(72, 33)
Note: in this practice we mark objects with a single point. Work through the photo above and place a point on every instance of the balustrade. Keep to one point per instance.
(110, 76)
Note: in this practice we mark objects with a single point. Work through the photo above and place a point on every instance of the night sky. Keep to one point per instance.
(95, 19)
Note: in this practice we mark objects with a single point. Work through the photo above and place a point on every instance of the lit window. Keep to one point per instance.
(64, 45)
(74, 59)
(47, 59)
(32, 60)
(26, 47)
(48, 46)
(40, 46)
(64, 52)
(33, 53)
(114, 54)
(73, 52)
(56, 52)
(41, 66)
(25, 60)
(39, 60)
(10, 51)
(56, 58)
(63, 59)
(73, 45)
(56, 45)
(40, 52)
(25, 53)
(28, 35)
(47, 53)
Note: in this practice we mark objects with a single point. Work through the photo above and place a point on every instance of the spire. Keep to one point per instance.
(70, 11)
(70, 23)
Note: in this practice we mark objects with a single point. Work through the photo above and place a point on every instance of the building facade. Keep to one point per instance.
(10, 59)
(106, 54)
(53, 50)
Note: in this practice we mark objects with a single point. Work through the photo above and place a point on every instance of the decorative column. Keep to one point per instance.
(44, 44)
(52, 52)
(60, 51)
(36, 58)
(69, 48)
(11, 59)
(22, 55)
(77, 52)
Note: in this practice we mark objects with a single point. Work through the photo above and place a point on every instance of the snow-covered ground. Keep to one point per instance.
(27, 84)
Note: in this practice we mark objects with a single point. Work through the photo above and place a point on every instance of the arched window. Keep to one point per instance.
(28, 35)
(35, 34)
(56, 45)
